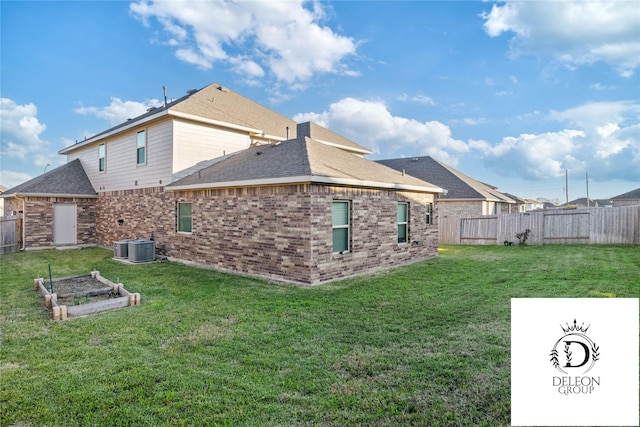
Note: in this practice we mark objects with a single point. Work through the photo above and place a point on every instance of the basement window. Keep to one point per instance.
(141, 147)
(341, 230)
(184, 217)
(403, 222)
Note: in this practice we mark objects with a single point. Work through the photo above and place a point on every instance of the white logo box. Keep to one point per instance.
(574, 361)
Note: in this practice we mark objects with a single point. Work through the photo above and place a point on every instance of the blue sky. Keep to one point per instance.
(510, 93)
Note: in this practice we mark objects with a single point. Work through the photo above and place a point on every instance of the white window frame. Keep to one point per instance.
(102, 157)
(178, 223)
(142, 146)
(404, 223)
(429, 213)
(346, 226)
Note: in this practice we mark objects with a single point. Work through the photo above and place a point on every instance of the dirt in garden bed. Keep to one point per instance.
(69, 290)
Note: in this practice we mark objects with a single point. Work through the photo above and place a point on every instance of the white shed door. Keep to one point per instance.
(64, 224)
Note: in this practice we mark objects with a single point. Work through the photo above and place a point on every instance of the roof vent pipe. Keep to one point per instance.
(402, 172)
(164, 88)
(287, 132)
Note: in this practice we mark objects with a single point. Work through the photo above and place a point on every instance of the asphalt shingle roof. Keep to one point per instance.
(220, 104)
(633, 194)
(301, 157)
(68, 179)
(458, 185)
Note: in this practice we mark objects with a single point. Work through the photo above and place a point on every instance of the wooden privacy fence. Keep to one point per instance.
(620, 225)
(10, 234)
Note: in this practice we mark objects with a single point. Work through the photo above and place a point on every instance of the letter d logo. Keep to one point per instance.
(586, 354)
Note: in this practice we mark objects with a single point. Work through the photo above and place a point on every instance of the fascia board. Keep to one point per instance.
(305, 179)
(479, 199)
(83, 196)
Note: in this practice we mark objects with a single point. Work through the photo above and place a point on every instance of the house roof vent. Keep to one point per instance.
(191, 91)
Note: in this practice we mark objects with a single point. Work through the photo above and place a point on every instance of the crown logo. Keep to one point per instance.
(575, 327)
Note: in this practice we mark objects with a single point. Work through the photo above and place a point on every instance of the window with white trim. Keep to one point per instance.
(341, 229)
(184, 218)
(101, 157)
(403, 222)
(141, 147)
(429, 216)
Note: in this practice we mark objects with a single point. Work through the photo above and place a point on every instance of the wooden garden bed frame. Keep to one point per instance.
(64, 312)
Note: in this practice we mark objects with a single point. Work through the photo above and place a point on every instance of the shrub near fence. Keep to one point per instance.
(619, 225)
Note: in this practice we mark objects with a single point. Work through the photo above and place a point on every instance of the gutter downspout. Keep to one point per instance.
(24, 222)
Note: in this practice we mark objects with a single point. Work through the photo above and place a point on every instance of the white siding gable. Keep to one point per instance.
(195, 142)
(173, 145)
(121, 169)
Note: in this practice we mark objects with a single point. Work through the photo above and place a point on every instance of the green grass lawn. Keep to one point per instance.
(426, 344)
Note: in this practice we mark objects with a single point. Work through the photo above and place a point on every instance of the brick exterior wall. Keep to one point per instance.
(474, 208)
(38, 219)
(461, 208)
(278, 232)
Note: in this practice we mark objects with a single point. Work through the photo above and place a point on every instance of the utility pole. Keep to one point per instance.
(566, 185)
(587, 175)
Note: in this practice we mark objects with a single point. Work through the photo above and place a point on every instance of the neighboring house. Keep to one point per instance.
(221, 181)
(533, 205)
(463, 196)
(583, 202)
(2, 190)
(627, 199)
(521, 205)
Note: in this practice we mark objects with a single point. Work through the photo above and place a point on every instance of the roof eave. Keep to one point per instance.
(306, 179)
(476, 199)
(83, 196)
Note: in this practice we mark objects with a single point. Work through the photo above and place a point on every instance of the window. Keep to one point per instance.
(340, 226)
(403, 222)
(184, 217)
(429, 208)
(101, 157)
(141, 147)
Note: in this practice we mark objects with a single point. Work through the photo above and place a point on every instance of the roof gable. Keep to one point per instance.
(216, 102)
(69, 179)
(218, 105)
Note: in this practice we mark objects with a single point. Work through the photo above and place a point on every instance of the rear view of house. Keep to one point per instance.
(221, 181)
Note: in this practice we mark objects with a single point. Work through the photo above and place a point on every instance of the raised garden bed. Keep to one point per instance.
(83, 295)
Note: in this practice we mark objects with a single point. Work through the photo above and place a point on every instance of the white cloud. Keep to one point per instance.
(605, 142)
(283, 37)
(420, 99)
(21, 144)
(534, 156)
(21, 129)
(119, 111)
(574, 32)
(370, 124)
